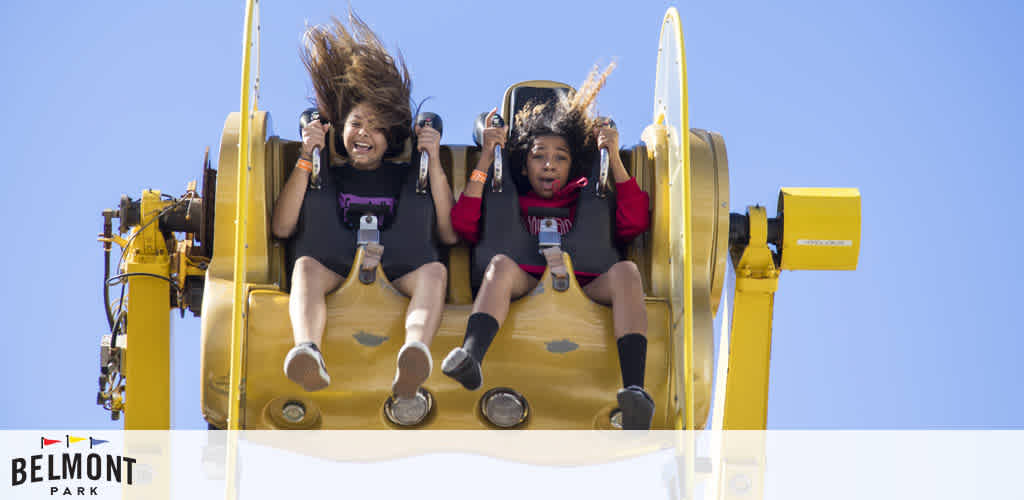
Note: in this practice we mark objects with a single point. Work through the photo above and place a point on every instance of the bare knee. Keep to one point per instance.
(434, 272)
(625, 274)
(500, 265)
(309, 275)
(305, 267)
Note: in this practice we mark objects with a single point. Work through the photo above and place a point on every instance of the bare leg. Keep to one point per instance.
(307, 309)
(622, 288)
(503, 281)
(427, 287)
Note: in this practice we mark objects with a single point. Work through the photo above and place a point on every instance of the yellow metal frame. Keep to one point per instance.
(149, 369)
(746, 393)
(672, 69)
(241, 226)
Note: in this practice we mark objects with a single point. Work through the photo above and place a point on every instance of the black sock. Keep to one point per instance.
(632, 359)
(480, 331)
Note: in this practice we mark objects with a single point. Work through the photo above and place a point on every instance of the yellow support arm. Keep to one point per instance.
(750, 341)
(149, 369)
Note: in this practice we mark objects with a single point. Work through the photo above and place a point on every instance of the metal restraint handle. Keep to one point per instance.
(315, 180)
(602, 179)
(497, 122)
(433, 121)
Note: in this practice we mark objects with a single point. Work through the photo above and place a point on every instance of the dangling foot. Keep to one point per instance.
(304, 365)
(460, 366)
(414, 365)
(637, 408)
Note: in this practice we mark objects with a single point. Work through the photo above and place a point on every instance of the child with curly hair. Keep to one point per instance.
(550, 142)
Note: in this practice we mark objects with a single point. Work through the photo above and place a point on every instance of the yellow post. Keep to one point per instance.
(148, 368)
(241, 210)
(148, 363)
(746, 392)
(238, 272)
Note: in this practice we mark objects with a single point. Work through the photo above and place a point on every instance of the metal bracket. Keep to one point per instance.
(369, 230)
(548, 235)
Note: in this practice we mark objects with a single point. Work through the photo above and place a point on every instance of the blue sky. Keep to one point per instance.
(915, 103)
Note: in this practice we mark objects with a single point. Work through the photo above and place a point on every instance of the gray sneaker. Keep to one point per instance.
(304, 365)
(414, 365)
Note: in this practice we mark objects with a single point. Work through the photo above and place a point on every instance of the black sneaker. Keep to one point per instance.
(304, 365)
(637, 408)
(460, 366)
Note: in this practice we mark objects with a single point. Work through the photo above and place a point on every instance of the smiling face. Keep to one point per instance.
(364, 142)
(547, 164)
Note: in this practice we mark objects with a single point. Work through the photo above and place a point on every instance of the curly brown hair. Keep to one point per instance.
(349, 66)
(570, 117)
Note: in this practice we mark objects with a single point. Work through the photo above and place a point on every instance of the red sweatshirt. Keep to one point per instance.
(631, 215)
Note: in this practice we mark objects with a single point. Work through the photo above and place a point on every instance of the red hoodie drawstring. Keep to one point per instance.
(570, 187)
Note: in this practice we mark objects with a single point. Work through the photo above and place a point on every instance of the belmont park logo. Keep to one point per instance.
(72, 462)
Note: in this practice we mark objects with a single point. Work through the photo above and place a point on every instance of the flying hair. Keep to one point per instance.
(350, 66)
(570, 117)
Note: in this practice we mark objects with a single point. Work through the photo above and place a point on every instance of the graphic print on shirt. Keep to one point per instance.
(533, 224)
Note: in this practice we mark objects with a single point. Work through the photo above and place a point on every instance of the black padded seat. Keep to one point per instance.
(409, 240)
(590, 242)
(522, 95)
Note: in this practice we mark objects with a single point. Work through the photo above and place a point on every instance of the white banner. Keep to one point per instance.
(511, 465)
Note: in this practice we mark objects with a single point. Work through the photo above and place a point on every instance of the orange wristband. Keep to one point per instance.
(478, 176)
(304, 165)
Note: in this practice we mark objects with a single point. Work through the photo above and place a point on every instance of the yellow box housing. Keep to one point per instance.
(821, 228)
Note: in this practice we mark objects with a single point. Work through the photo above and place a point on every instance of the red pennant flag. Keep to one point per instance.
(48, 442)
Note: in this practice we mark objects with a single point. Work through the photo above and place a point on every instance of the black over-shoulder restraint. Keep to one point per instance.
(409, 241)
(590, 242)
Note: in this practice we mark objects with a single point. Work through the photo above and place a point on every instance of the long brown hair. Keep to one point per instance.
(349, 66)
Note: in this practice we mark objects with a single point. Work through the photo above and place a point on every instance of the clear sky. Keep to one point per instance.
(918, 104)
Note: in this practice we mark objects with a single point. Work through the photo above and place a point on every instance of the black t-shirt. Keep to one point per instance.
(358, 190)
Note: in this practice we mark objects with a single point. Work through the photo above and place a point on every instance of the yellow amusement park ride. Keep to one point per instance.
(211, 252)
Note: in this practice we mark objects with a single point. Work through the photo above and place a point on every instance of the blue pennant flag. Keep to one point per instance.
(94, 442)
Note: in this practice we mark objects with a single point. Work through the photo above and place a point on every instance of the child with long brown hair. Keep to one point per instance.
(364, 94)
(550, 141)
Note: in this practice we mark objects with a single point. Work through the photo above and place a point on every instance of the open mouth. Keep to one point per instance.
(361, 147)
(549, 183)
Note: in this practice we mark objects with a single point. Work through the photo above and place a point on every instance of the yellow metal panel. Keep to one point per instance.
(821, 228)
(149, 369)
(571, 390)
(750, 343)
(257, 214)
